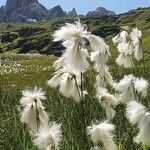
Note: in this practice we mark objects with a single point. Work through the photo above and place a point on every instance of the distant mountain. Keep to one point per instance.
(73, 13)
(100, 11)
(32, 11)
(56, 12)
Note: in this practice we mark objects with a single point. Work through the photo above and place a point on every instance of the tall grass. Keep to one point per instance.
(38, 69)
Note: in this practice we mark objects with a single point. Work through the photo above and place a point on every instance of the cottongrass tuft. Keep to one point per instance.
(141, 86)
(33, 113)
(49, 137)
(102, 132)
(135, 112)
(108, 101)
(138, 114)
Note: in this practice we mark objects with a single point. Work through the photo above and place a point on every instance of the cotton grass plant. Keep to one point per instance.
(69, 78)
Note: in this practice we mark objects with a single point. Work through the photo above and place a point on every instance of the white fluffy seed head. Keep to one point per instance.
(105, 97)
(135, 112)
(66, 84)
(116, 39)
(55, 80)
(29, 116)
(144, 133)
(124, 36)
(110, 112)
(100, 59)
(120, 60)
(104, 77)
(124, 83)
(98, 44)
(29, 97)
(76, 58)
(71, 32)
(136, 34)
(102, 132)
(49, 137)
(141, 86)
(126, 96)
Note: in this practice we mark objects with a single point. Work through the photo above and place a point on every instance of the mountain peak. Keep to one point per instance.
(12, 5)
(100, 11)
(72, 13)
(56, 11)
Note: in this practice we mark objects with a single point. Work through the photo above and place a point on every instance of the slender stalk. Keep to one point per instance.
(80, 92)
(143, 59)
(135, 93)
(37, 115)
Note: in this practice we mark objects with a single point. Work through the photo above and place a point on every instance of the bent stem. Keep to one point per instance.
(37, 115)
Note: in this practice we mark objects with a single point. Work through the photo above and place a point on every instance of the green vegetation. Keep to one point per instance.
(37, 37)
(30, 71)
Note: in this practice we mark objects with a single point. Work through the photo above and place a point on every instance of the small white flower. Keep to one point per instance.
(102, 132)
(71, 32)
(76, 58)
(144, 133)
(141, 86)
(136, 39)
(124, 83)
(98, 44)
(33, 113)
(135, 112)
(117, 39)
(104, 77)
(106, 97)
(108, 101)
(49, 137)
(124, 36)
(29, 97)
(29, 117)
(100, 59)
(55, 80)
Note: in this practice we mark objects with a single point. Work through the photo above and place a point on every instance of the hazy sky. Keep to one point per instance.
(83, 6)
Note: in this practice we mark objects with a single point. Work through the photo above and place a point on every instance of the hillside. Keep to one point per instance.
(21, 72)
(37, 37)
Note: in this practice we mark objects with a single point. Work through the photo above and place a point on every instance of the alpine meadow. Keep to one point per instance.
(76, 83)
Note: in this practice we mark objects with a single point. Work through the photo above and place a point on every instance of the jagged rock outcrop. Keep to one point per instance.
(32, 11)
(72, 13)
(100, 11)
(56, 12)
(12, 5)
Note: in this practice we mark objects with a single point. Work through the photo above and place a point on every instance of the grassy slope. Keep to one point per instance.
(37, 71)
(36, 37)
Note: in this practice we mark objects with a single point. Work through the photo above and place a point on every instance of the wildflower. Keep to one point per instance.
(102, 132)
(138, 114)
(49, 137)
(144, 133)
(141, 86)
(136, 39)
(33, 113)
(135, 112)
(108, 101)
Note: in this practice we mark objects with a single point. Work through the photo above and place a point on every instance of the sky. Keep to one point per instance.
(83, 6)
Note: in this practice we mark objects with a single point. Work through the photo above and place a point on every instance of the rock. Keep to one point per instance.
(56, 12)
(33, 11)
(12, 5)
(72, 13)
(100, 11)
